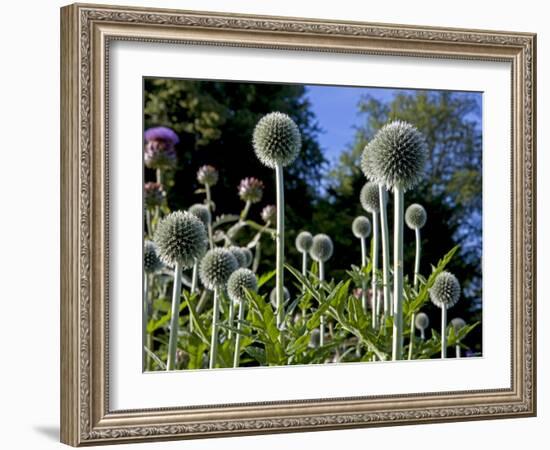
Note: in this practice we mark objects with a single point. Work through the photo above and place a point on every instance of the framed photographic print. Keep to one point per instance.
(279, 224)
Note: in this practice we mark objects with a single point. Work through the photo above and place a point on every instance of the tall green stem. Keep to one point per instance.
(237, 354)
(375, 299)
(280, 243)
(174, 318)
(457, 350)
(209, 206)
(230, 315)
(194, 284)
(145, 319)
(322, 298)
(304, 269)
(397, 347)
(443, 331)
(416, 272)
(385, 235)
(363, 265)
(214, 339)
(159, 176)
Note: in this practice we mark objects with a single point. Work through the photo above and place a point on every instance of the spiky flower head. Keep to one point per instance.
(396, 156)
(314, 338)
(180, 237)
(273, 296)
(202, 213)
(151, 260)
(415, 216)
(216, 267)
(153, 194)
(238, 253)
(207, 175)
(269, 214)
(361, 227)
(445, 290)
(247, 253)
(276, 140)
(421, 321)
(458, 323)
(370, 197)
(251, 190)
(321, 248)
(304, 241)
(241, 281)
(159, 148)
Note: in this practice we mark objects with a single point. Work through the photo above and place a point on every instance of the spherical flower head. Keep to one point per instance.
(241, 281)
(370, 197)
(458, 323)
(273, 296)
(207, 175)
(251, 190)
(361, 227)
(216, 267)
(247, 256)
(445, 290)
(415, 216)
(269, 214)
(421, 321)
(304, 241)
(202, 213)
(153, 194)
(276, 140)
(163, 135)
(151, 260)
(237, 252)
(396, 156)
(314, 338)
(157, 156)
(181, 238)
(321, 248)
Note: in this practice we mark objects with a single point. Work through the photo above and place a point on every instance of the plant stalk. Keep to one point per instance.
(280, 243)
(458, 350)
(304, 269)
(444, 331)
(375, 298)
(322, 297)
(194, 284)
(416, 272)
(174, 318)
(363, 264)
(237, 354)
(209, 206)
(397, 345)
(385, 235)
(159, 176)
(230, 315)
(214, 338)
(145, 319)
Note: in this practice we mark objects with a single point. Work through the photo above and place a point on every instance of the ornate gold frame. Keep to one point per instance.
(86, 31)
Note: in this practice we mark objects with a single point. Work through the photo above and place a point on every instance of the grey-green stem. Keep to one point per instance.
(145, 319)
(237, 354)
(443, 331)
(375, 299)
(363, 265)
(457, 349)
(322, 321)
(397, 345)
(304, 269)
(416, 272)
(280, 244)
(209, 206)
(174, 318)
(194, 284)
(230, 315)
(214, 338)
(385, 235)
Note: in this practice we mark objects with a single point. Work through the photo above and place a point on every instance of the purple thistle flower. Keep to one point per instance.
(251, 190)
(207, 175)
(269, 213)
(159, 149)
(153, 194)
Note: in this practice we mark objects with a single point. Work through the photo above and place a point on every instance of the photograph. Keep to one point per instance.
(297, 224)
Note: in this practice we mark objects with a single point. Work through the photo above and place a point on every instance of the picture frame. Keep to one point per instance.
(87, 32)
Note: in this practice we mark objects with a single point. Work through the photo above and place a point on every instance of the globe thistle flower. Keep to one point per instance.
(239, 255)
(421, 321)
(273, 296)
(276, 140)
(361, 227)
(370, 197)
(151, 260)
(458, 323)
(251, 190)
(181, 238)
(216, 267)
(159, 148)
(415, 216)
(314, 338)
(153, 194)
(444, 293)
(240, 281)
(247, 256)
(207, 175)
(304, 241)
(396, 156)
(269, 214)
(321, 248)
(202, 213)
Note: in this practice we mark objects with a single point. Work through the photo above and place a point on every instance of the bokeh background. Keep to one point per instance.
(215, 121)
